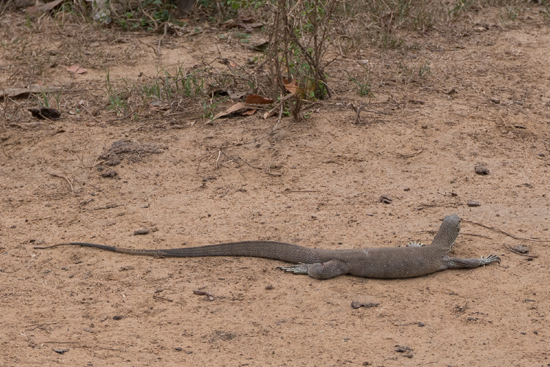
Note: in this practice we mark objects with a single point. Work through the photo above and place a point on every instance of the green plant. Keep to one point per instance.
(461, 6)
(28, 22)
(546, 12)
(363, 86)
(148, 14)
(222, 10)
(413, 73)
(209, 108)
(117, 103)
(43, 100)
(424, 70)
(116, 100)
(390, 41)
(511, 12)
(152, 91)
(244, 37)
(191, 84)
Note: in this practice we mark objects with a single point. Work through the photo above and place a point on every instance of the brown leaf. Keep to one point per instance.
(256, 99)
(76, 69)
(269, 114)
(34, 88)
(231, 110)
(293, 87)
(249, 112)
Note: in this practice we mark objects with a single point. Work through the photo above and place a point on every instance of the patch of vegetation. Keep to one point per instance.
(299, 40)
(363, 84)
(221, 10)
(148, 14)
(413, 72)
(117, 99)
(44, 99)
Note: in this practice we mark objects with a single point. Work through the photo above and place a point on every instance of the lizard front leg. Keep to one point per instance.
(457, 263)
(326, 270)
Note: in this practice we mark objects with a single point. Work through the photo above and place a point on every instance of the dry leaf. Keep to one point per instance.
(45, 113)
(249, 112)
(261, 46)
(269, 114)
(256, 99)
(34, 88)
(236, 95)
(233, 109)
(293, 88)
(76, 69)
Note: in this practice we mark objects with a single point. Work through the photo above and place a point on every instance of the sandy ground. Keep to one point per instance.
(316, 183)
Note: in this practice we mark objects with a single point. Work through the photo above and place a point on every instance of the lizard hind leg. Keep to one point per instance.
(457, 263)
(326, 270)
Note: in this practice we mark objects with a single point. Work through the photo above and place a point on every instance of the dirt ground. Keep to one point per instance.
(317, 183)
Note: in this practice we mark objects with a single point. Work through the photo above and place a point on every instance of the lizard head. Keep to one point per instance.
(448, 232)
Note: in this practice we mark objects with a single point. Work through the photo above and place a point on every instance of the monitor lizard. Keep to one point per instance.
(385, 263)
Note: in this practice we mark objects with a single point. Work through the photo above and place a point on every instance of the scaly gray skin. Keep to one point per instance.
(385, 263)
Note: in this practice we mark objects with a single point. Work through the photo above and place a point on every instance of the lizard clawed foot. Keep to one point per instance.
(415, 244)
(295, 269)
(490, 259)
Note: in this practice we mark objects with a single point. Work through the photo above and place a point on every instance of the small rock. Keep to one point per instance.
(141, 231)
(402, 349)
(61, 351)
(109, 174)
(495, 100)
(386, 199)
(473, 203)
(118, 317)
(178, 349)
(355, 304)
(522, 249)
(481, 170)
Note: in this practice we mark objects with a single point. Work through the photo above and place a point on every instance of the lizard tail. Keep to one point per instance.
(265, 249)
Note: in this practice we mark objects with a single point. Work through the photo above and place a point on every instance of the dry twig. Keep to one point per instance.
(66, 179)
(503, 232)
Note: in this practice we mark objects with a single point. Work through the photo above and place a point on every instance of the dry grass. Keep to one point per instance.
(304, 39)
